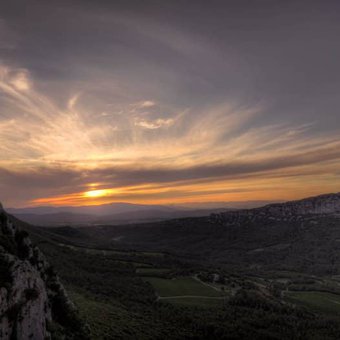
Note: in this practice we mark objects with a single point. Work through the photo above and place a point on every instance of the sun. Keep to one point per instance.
(96, 193)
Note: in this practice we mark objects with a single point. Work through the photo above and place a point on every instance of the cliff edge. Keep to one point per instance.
(289, 211)
(33, 302)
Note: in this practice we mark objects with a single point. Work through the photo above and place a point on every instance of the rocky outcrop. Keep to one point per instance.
(33, 302)
(288, 211)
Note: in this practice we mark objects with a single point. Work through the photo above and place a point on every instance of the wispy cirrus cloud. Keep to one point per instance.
(53, 155)
(42, 145)
(147, 103)
(229, 105)
(153, 124)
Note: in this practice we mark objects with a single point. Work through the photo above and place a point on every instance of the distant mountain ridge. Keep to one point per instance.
(123, 207)
(125, 213)
(114, 213)
(100, 210)
(139, 216)
(287, 211)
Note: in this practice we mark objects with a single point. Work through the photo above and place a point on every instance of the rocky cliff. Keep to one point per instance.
(33, 302)
(288, 211)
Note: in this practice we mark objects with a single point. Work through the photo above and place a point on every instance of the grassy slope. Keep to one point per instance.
(317, 301)
(180, 287)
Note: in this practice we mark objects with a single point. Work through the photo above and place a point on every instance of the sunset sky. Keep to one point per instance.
(160, 102)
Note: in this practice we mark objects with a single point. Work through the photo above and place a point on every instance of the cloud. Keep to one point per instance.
(52, 155)
(21, 80)
(141, 183)
(167, 108)
(73, 101)
(147, 103)
(155, 124)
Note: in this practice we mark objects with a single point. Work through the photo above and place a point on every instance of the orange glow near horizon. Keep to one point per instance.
(181, 193)
(96, 193)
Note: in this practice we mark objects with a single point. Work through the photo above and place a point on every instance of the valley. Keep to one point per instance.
(173, 289)
(221, 276)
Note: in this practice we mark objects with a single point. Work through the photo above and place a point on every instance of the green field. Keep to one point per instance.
(316, 301)
(185, 286)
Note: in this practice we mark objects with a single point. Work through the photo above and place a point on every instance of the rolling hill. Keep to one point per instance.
(115, 213)
(302, 235)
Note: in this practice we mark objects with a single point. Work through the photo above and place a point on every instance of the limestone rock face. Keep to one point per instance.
(28, 287)
(25, 307)
(289, 211)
